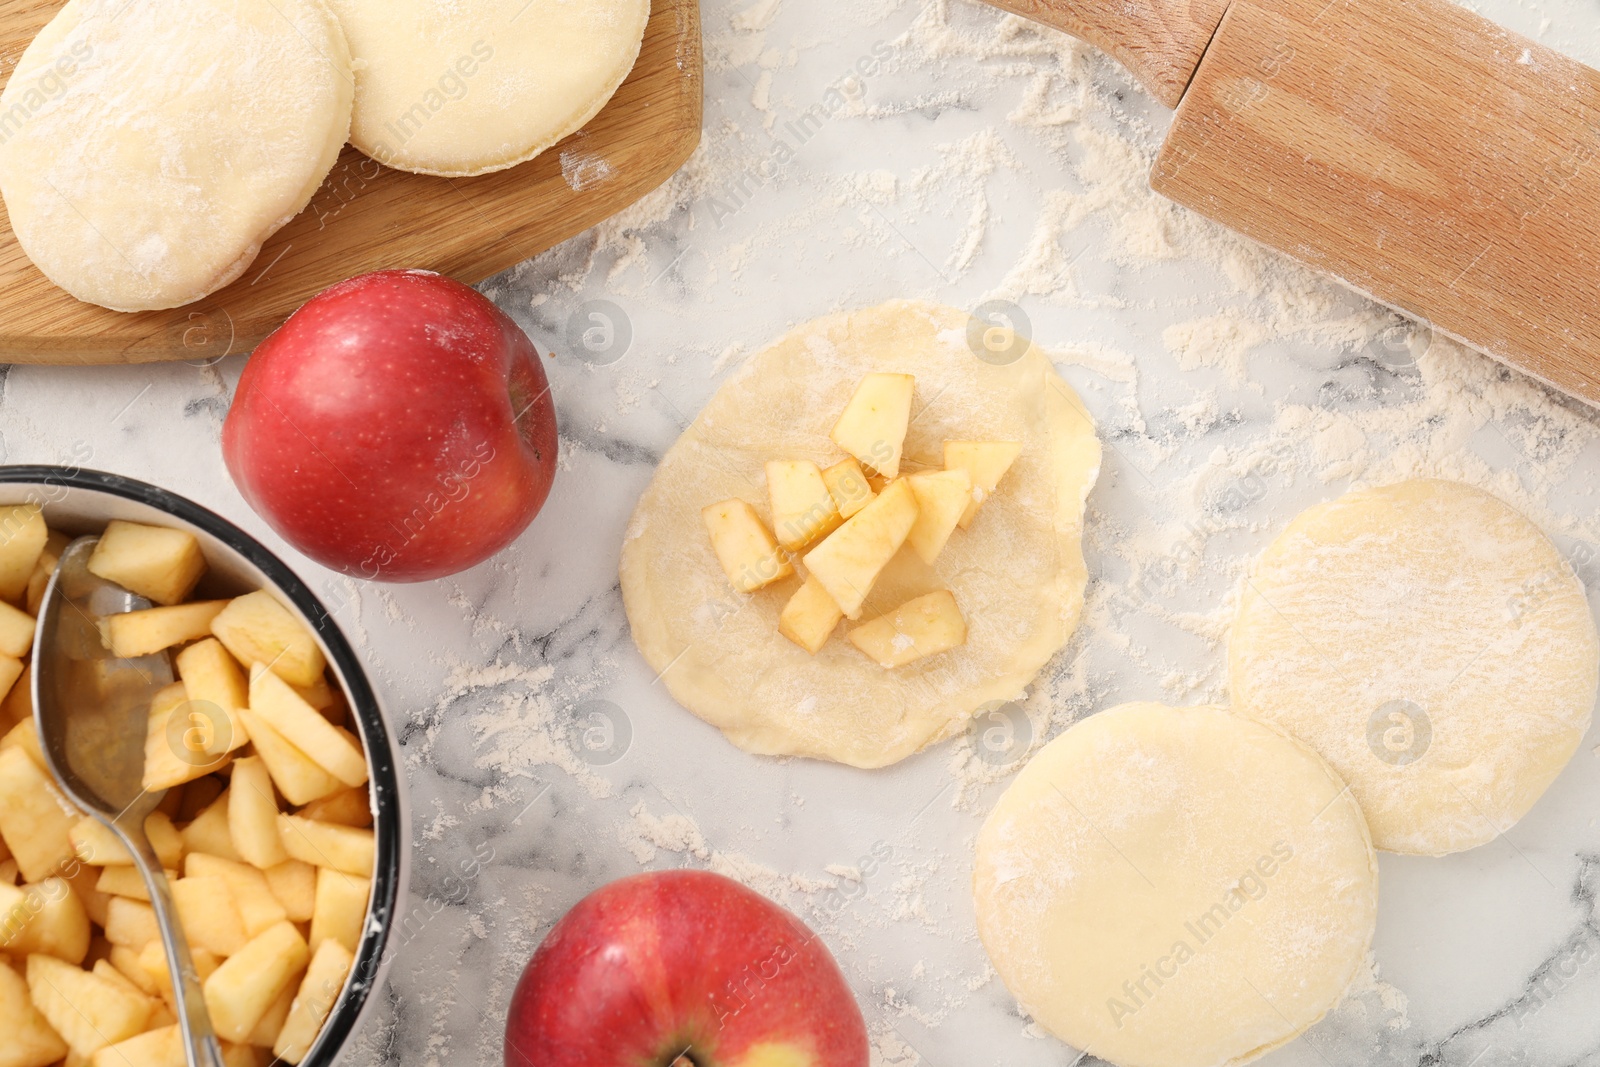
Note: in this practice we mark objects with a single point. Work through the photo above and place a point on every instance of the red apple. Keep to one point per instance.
(398, 427)
(683, 969)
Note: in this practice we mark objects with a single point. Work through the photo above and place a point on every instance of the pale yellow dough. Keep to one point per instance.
(149, 147)
(1017, 574)
(464, 87)
(1176, 887)
(1433, 645)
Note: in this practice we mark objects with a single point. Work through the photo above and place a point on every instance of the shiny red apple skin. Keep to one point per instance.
(683, 962)
(398, 427)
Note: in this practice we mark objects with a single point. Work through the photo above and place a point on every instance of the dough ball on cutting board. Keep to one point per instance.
(464, 87)
(1018, 572)
(151, 147)
(1433, 645)
(1176, 887)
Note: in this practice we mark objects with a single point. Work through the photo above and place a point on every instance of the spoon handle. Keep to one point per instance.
(199, 1039)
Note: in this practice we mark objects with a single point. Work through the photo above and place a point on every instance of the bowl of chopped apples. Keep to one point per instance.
(282, 822)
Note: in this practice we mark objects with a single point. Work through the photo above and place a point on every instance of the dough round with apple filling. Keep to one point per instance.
(150, 148)
(1176, 887)
(1433, 645)
(1017, 573)
(459, 89)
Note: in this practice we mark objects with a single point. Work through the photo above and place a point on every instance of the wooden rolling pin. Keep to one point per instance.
(1417, 152)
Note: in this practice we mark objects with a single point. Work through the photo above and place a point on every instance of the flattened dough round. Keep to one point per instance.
(452, 88)
(1432, 645)
(151, 146)
(1176, 887)
(1017, 574)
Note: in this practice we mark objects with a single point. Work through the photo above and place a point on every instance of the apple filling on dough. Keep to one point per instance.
(867, 536)
(856, 533)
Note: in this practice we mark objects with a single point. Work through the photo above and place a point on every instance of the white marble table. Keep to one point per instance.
(975, 159)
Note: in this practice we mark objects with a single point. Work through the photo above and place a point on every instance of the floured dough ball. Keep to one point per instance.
(1432, 645)
(1017, 574)
(149, 147)
(463, 87)
(1167, 887)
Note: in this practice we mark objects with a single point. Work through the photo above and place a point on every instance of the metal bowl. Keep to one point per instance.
(77, 502)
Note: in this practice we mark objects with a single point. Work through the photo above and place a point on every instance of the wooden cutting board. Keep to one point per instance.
(366, 217)
(1412, 149)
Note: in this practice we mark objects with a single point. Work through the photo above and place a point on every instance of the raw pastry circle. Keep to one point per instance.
(1017, 574)
(149, 148)
(1433, 645)
(1168, 887)
(458, 89)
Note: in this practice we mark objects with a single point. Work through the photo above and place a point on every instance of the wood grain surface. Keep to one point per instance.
(367, 217)
(1159, 41)
(1425, 156)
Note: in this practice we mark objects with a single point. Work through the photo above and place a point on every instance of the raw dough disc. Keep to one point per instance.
(1017, 574)
(151, 146)
(456, 89)
(1432, 645)
(1169, 887)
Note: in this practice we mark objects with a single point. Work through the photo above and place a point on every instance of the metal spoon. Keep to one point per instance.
(93, 712)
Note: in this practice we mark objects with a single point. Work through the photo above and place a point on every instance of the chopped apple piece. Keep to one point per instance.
(258, 629)
(82, 879)
(294, 884)
(153, 961)
(275, 701)
(942, 498)
(208, 833)
(849, 561)
(749, 555)
(239, 992)
(97, 844)
(922, 627)
(16, 631)
(35, 819)
(164, 838)
(253, 814)
(802, 508)
(266, 1031)
(24, 737)
(178, 741)
(217, 690)
(352, 807)
(326, 844)
(29, 1039)
(126, 882)
(153, 561)
(55, 544)
(11, 671)
(873, 426)
(848, 485)
(48, 918)
(809, 616)
(22, 539)
(88, 1011)
(131, 923)
(297, 775)
(252, 892)
(319, 694)
(985, 462)
(341, 908)
(321, 988)
(126, 961)
(161, 1047)
(208, 914)
(139, 633)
